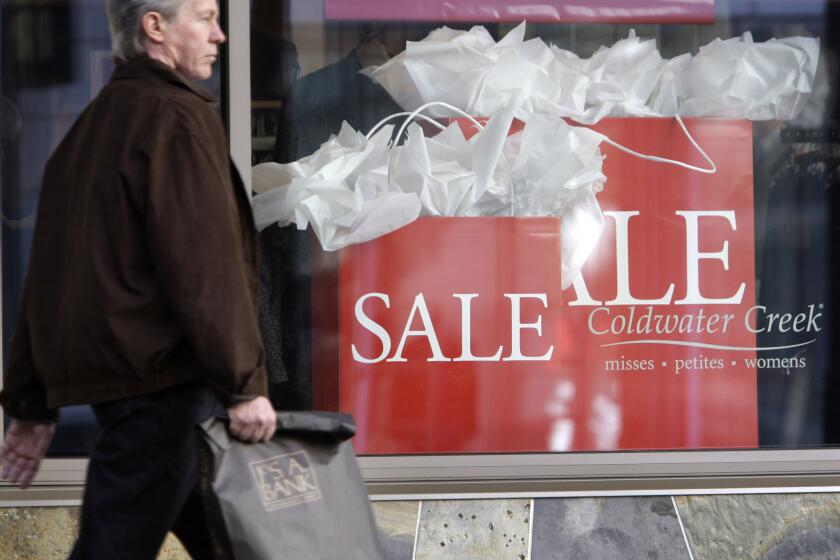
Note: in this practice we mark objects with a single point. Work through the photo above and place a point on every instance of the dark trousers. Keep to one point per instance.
(143, 475)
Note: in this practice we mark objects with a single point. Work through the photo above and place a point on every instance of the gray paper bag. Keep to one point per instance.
(299, 496)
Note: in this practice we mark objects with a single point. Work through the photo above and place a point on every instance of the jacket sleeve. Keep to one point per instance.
(23, 396)
(195, 235)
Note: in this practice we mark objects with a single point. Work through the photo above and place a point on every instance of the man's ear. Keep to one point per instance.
(153, 26)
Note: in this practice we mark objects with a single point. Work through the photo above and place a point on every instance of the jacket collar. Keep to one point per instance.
(143, 67)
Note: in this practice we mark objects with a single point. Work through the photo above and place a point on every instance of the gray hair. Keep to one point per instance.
(125, 21)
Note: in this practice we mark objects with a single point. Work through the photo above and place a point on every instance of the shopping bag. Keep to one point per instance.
(300, 495)
(455, 335)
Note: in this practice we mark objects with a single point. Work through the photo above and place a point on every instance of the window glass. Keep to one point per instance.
(537, 288)
(55, 59)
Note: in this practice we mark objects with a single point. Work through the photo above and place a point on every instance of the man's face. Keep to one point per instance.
(192, 38)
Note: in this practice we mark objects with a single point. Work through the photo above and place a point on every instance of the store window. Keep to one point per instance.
(55, 59)
(529, 286)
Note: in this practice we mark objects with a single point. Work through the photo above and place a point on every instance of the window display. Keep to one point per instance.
(502, 277)
(576, 245)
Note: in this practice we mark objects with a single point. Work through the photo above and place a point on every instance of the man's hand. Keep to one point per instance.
(253, 420)
(23, 448)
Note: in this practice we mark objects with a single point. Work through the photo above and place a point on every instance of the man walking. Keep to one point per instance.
(141, 292)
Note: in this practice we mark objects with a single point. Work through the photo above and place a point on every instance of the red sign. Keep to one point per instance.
(453, 334)
(590, 11)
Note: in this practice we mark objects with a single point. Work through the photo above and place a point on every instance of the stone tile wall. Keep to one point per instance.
(47, 533)
(765, 527)
(463, 529)
(598, 528)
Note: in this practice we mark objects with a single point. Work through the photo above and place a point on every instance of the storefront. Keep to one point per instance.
(525, 305)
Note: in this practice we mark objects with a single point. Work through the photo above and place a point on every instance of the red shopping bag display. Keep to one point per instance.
(453, 335)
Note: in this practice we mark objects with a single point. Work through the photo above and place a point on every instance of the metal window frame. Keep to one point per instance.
(61, 481)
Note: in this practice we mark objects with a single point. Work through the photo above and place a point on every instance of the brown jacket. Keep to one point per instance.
(143, 268)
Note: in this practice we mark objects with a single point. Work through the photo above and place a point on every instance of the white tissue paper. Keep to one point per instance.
(454, 176)
(341, 190)
(470, 70)
(557, 171)
(739, 78)
(735, 78)
(353, 189)
(619, 80)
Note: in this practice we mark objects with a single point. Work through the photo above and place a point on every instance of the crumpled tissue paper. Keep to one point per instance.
(454, 176)
(558, 171)
(610, 89)
(353, 189)
(735, 78)
(739, 78)
(470, 70)
(341, 190)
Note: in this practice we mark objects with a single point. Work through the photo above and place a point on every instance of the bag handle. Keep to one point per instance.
(389, 118)
(310, 423)
(710, 171)
(417, 112)
(334, 424)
